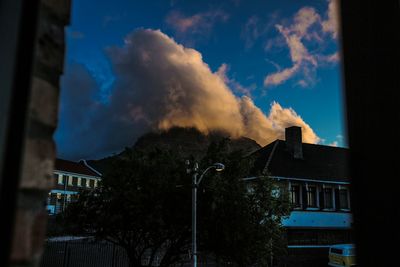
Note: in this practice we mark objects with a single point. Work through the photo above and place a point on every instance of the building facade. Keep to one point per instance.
(317, 181)
(70, 178)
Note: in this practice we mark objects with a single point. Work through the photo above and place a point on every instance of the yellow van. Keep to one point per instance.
(342, 255)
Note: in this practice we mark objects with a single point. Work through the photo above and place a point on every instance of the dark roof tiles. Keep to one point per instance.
(319, 162)
(73, 167)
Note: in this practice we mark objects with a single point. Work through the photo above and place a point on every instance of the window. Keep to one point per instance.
(60, 179)
(64, 179)
(91, 183)
(295, 196)
(74, 181)
(344, 199)
(83, 181)
(328, 198)
(312, 196)
(336, 251)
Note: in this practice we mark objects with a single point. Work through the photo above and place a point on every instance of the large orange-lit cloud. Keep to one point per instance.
(160, 84)
(175, 87)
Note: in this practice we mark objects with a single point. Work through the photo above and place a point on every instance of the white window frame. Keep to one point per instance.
(69, 179)
(60, 179)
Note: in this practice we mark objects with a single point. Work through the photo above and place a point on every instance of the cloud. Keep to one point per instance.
(266, 128)
(299, 55)
(307, 26)
(232, 83)
(335, 57)
(200, 23)
(338, 141)
(160, 84)
(334, 143)
(256, 27)
(303, 20)
(331, 24)
(251, 31)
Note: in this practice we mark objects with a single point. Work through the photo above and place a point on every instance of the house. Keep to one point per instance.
(70, 178)
(317, 180)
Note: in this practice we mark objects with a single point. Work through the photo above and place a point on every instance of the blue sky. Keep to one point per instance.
(282, 52)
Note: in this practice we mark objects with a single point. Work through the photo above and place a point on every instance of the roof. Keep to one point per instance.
(74, 167)
(318, 163)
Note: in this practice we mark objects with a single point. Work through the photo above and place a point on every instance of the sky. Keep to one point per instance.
(247, 68)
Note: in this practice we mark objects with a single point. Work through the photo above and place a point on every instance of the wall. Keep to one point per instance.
(39, 148)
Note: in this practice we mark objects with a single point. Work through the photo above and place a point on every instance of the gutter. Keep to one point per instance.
(90, 167)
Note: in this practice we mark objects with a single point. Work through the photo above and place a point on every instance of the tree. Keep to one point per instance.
(241, 220)
(140, 206)
(143, 204)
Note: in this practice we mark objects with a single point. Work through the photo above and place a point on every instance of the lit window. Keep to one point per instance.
(69, 180)
(295, 196)
(60, 179)
(312, 196)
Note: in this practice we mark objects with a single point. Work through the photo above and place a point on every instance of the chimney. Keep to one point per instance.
(294, 142)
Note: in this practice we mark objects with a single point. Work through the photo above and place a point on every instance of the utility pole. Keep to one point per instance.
(195, 184)
(65, 192)
(194, 215)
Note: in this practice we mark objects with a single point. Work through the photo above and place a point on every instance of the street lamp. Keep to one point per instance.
(195, 183)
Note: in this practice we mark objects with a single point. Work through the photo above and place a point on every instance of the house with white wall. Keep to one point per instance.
(70, 179)
(317, 181)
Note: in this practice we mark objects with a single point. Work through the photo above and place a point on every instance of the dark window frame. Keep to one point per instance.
(312, 188)
(347, 198)
(331, 198)
(297, 205)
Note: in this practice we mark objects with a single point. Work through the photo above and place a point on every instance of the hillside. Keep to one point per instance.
(186, 141)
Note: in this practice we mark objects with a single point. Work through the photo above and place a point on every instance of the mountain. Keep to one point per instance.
(186, 141)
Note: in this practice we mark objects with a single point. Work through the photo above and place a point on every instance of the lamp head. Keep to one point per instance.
(219, 166)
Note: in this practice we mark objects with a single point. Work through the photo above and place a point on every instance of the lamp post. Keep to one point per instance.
(195, 184)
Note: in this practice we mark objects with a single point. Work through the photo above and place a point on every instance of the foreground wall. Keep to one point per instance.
(39, 148)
